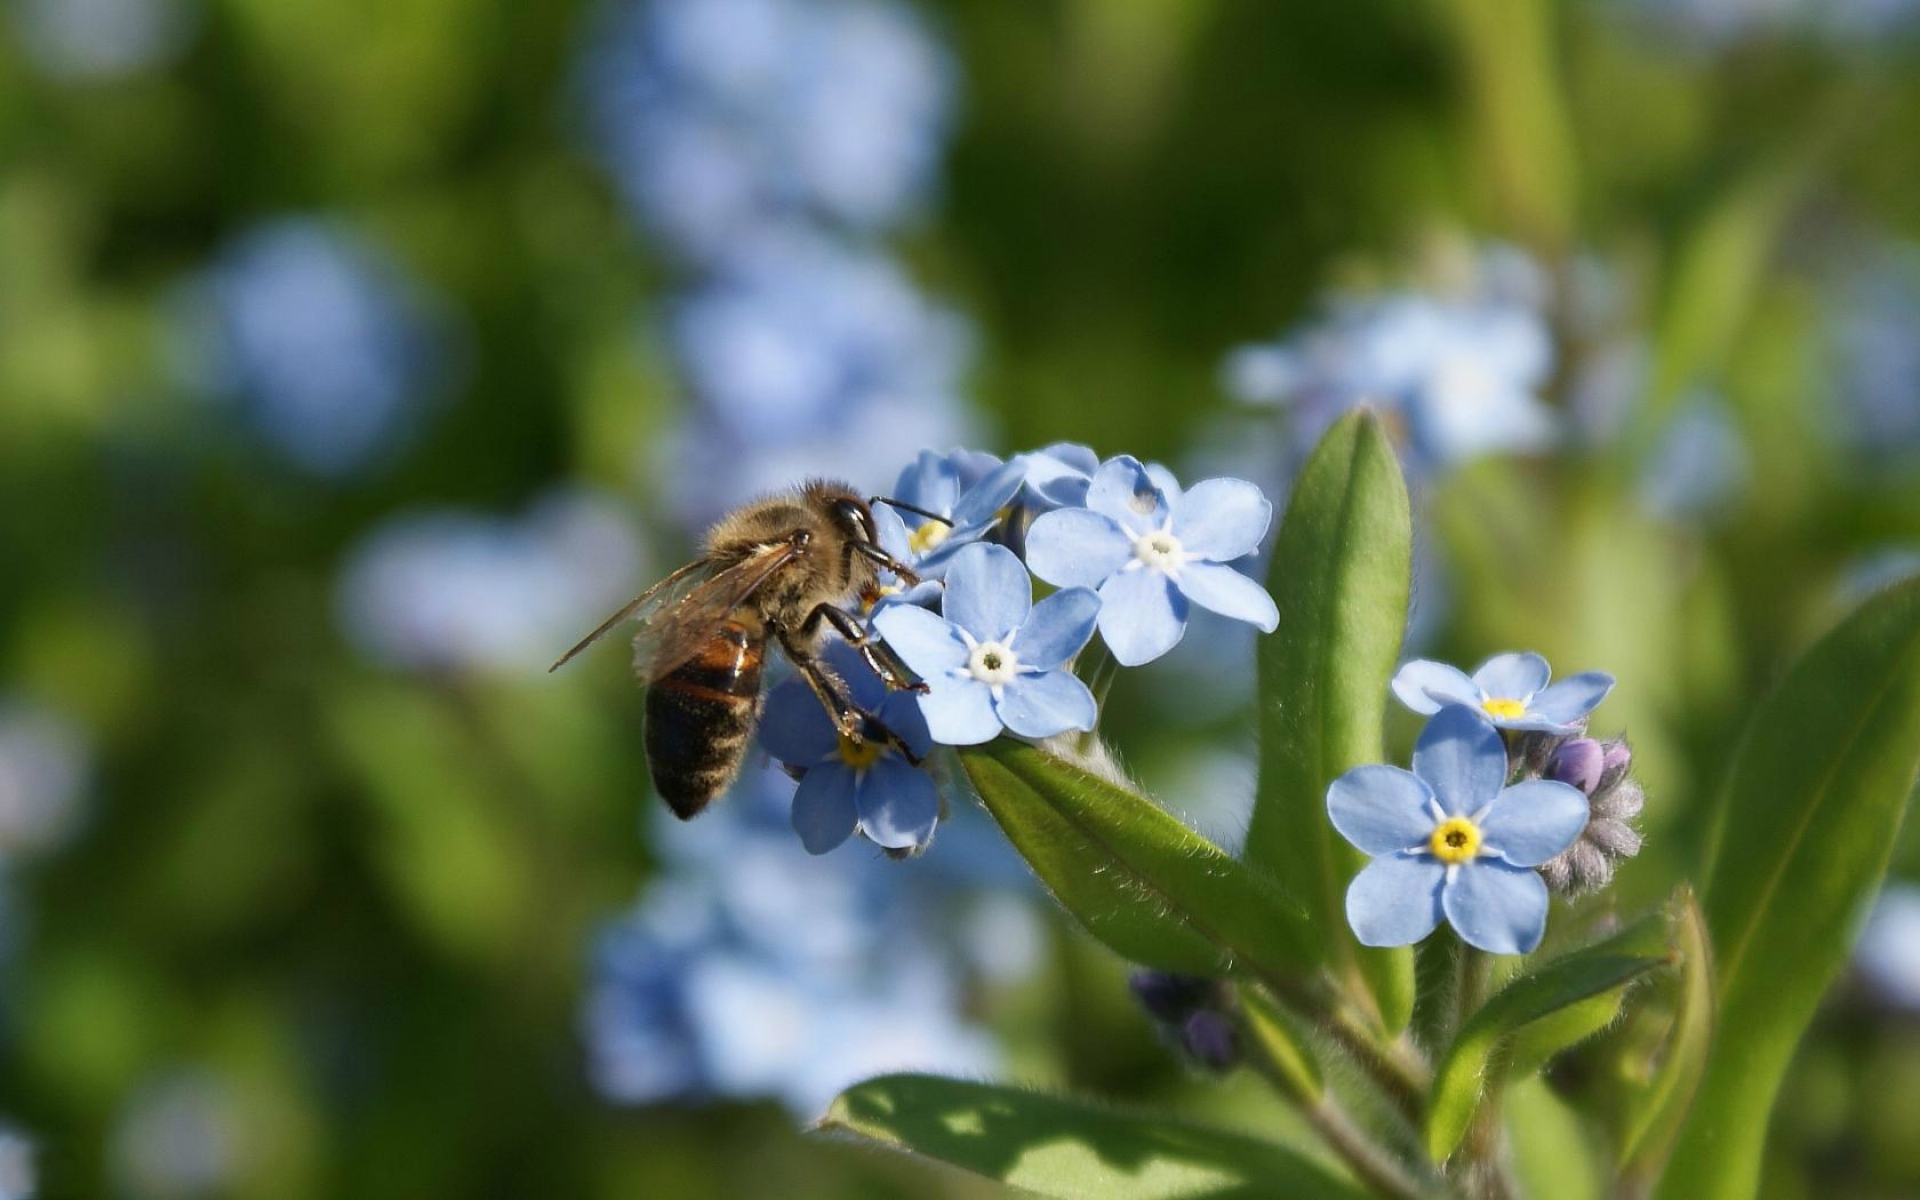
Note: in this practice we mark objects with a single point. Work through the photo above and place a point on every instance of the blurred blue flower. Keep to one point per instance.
(179, 1134)
(1714, 24)
(456, 590)
(995, 659)
(1459, 376)
(91, 40)
(1888, 953)
(1508, 690)
(719, 116)
(750, 970)
(1448, 839)
(45, 763)
(1874, 337)
(1699, 467)
(1150, 548)
(332, 353)
(790, 331)
(1870, 572)
(846, 787)
(19, 1180)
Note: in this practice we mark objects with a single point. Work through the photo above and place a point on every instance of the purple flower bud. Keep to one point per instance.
(1171, 998)
(1210, 1038)
(1615, 763)
(1580, 762)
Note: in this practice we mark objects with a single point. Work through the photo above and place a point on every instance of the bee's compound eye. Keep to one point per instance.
(854, 516)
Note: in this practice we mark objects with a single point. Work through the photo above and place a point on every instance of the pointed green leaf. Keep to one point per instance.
(1465, 1073)
(1282, 1047)
(1806, 823)
(1342, 569)
(1660, 1113)
(1153, 890)
(1073, 1150)
(1537, 1042)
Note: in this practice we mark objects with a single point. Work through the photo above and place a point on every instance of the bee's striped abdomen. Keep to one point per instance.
(699, 717)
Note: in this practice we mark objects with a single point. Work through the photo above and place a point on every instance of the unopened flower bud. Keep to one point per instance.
(1617, 759)
(1580, 762)
(1169, 997)
(1600, 770)
(1529, 753)
(1210, 1039)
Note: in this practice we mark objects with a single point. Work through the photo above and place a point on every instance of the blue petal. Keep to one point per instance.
(1533, 821)
(1122, 489)
(900, 712)
(891, 533)
(1572, 698)
(959, 712)
(926, 642)
(899, 804)
(795, 727)
(1060, 474)
(1530, 722)
(1512, 676)
(1076, 547)
(1502, 909)
(1395, 900)
(1222, 519)
(1169, 486)
(1057, 629)
(1462, 759)
(981, 502)
(823, 808)
(1381, 809)
(1042, 705)
(988, 592)
(929, 482)
(1226, 591)
(1142, 616)
(1426, 686)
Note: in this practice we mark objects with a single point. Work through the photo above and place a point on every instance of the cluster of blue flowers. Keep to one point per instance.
(328, 350)
(747, 971)
(1874, 341)
(768, 147)
(1127, 548)
(1457, 373)
(1475, 832)
(96, 41)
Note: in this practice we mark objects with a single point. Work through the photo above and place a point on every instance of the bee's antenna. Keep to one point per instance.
(912, 508)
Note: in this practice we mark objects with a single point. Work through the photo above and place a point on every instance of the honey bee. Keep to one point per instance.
(779, 569)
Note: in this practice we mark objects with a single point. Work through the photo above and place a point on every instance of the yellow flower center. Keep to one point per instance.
(1504, 709)
(858, 755)
(928, 536)
(1455, 840)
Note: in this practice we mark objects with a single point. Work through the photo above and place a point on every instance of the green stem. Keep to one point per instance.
(1478, 1167)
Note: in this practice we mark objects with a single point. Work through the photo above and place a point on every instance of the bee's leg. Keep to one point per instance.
(853, 722)
(880, 656)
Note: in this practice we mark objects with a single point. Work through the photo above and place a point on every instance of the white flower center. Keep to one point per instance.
(1160, 551)
(993, 664)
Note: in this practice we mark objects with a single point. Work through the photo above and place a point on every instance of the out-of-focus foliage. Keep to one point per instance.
(355, 358)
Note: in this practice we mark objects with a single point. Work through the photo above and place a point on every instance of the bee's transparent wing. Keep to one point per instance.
(679, 614)
(661, 597)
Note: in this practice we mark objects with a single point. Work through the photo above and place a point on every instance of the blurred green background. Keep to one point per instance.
(305, 857)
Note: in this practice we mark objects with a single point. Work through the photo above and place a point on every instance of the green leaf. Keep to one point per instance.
(1536, 1043)
(1660, 1111)
(1466, 1073)
(1072, 1150)
(1551, 1149)
(1282, 1047)
(1806, 823)
(1153, 890)
(1342, 568)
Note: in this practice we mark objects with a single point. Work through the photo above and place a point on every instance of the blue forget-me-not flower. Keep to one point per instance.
(330, 351)
(1509, 690)
(867, 786)
(1450, 840)
(1150, 548)
(965, 510)
(994, 659)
